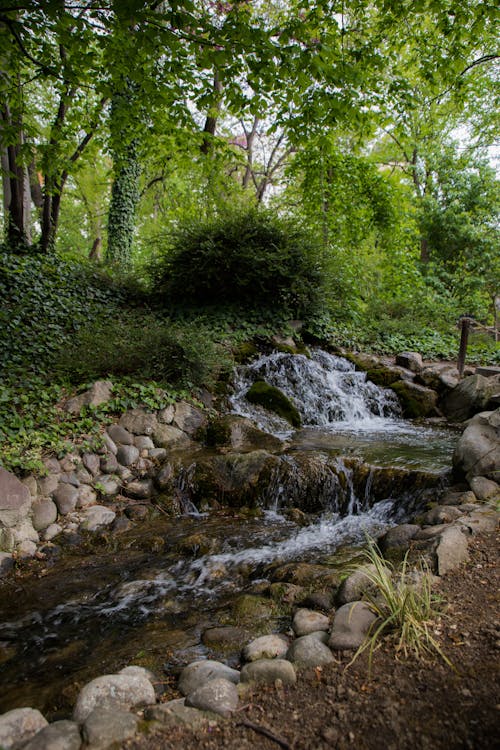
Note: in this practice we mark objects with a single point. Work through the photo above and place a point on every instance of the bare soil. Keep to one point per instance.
(407, 703)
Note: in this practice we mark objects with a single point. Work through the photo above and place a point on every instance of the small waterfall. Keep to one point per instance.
(326, 389)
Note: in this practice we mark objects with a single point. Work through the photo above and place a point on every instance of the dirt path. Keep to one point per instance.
(407, 704)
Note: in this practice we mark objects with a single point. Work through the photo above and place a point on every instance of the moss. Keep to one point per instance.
(218, 432)
(382, 376)
(273, 399)
(411, 405)
(244, 352)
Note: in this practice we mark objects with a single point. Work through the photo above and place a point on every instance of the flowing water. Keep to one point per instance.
(147, 595)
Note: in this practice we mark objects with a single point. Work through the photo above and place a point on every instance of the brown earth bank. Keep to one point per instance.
(407, 703)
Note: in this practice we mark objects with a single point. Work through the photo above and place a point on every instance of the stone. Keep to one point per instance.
(309, 651)
(7, 539)
(189, 418)
(6, 563)
(30, 483)
(477, 453)
(47, 485)
(69, 477)
(267, 671)
(452, 551)
(127, 454)
(86, 496)
(97, 516)
(15, 499)
(271, 398)
(410, 361)
(109, 444)
(359, 583)
(44, 513)
(266, 647)
(440, 377)
(219, 696)
(141, 489)
(176, 712)
(99, 393)
(480, 521)
(26, 549)
(61, 735)
(107, 727)
(416, 400)
(199, 672)
(166, 436)
(69, 463)
(65, 497)
(126, 691)
(165, 476)
(241, 435)
(471, 396)
(457, 497)
(484, 489)
(51, 532)
(107, 484)
(142, 442)
(19, 726)
(157, 454)
(109, 464)
(166, 415)
(91, 461)
(225, 638)
(351, 624)
(138, 671)
(307, 621)
(137, 512)
(139, 422)
(399, 536)
(440, 514)
(84, 476)
(119, 435)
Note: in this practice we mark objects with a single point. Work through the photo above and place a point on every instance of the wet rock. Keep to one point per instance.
(197, 545)
(119, 435)
(399, 537)
(351, 625)
(225, 638)
(267, 671)
(386, 375)
(189, 418)
(307, 621)
(6, 564)
(86, 497)
(410, 361)
(109, 464)
(19, 726)
(266, 647)
(295, 515)
(142, 489)
(47, 485)
(143, 442)
(99, 393)
(165, 477)
(126, 691)
(485, 489)
(198, 673)
(241, 435)
(15, 499)
(166, 436)
(44, 513)
(176, 712)
(240, 478)
(440, 514)
(126, 455)
(451, 551)
(478, 450)
(219, 696)
(97, 516)
(249, 608)
(65, 498)
(305, 574)
(272, 399)
(61, 735)
(416, 400)
(285, 593)
(91, 461)
(318, 600)
(470, 397)
(137, 512)
(139, 422)
(309, 651)
(107, 727)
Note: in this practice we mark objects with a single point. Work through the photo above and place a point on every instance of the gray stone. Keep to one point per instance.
(431, 531)
(47, 485)
(127, 691)
(410, 361)
(107, 484)
(219, 696)
(24, 532)
(15, 499)
(119, 435)
(166, 436)
(139, 422)
(70, 463)
(86, 497)
(309, 651)
(97, 516)
(165, 476)
(26, 549)
(157, 454)
(109, 444)
(416, 400)
(44, 513)
(127, 454)
(84, 476)
(6, 563)
(91, 461)
(470, 397)
(267, 671)
(452, 550)
(454, 497)
(30, 483)
(189, 418)
(441, 377)
(351, 624)
(355, 586)
(266, 647)
(19, 726)
(7, 539)
(166, 415)
(135, 669)
(69, 477)
(144, 443)
(107, 727)
(199, 672)
(478, 450)
(99, 393)
(109, 464)
(140, 488)
(65, 498)
(399, 536)
(441, 514)
(176, 712)
(484, 489)
(480, 521)
(307, 621)
(61, 735)
(51, 532)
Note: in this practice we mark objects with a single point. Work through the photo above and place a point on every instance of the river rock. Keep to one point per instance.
(44, 513)
(47, 485)
(410, 361)
(440, 514)
(355, 586)
(109, 464)
(126, 691)
(69, 477)
(351, 625)
(135, 669)
(452, 550)
(139, 422)
(169, 437)
(144, 443)
(26, 549)
(176, 712)
(51, 532)
(25, 532)
(84, 476)
(225, 638)
(267, 671)
(157, 454)
(65, 497)
(478, 450)
(141, 489)
(480, 521)
(471, 396)
(86, 496)
(6, 562)
(266, 647)
(189, 418)
(126, 455)
(108, 444)
(484, 489)
(307, 621)
(61, 735)
(91, 461)
(15, 499)
(457, 497)
(99, 393)
(440, 377)
(97, 516)
(107, 727)
(19, 726)
(416, 400)
(399, 536)
(107, 484)
(309, 651)
(199, 672)
(219, 696)
(241, 435)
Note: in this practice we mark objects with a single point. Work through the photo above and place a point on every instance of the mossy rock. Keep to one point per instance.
(416, 400)
(272, 399)
(383, 376)
(248, 608)
(245, 352)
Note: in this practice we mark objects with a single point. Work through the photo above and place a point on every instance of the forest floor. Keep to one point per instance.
(423, 705)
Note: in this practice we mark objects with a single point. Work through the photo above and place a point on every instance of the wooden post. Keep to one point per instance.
(464, 336)
(496, 304)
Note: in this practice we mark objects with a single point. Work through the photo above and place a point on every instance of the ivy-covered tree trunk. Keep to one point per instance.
(123, 208)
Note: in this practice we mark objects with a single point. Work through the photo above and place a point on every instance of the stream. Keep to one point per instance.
(146, 596)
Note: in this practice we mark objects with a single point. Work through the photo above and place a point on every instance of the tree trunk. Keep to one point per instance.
(212, 117)
(123, 209)
(16, 192)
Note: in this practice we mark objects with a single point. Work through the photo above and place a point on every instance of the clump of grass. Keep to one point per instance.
(405, 605)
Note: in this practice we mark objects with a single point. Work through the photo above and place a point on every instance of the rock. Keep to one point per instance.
(175, 712)
(127, 454)
(460, 497)
(6, 564)
(141, 489)
(109, 464)
(166, 436)
(451, 551)
(351, 625)
(385, 375)
(157, 454)
(119, 435)
(135, 669)
(99, 393)
(26, 549)
(189, 418)
(440, 514)
(127, 691)
(65, 497)
(69, 463)
(44, 513)
(410, 361)
(218, 695)
(431, 531)
(69, 477)
(318, 600)
(109, 445)
(107, 727)
(15, 500)
(470, 397)
(84, 476)
(142, 442)
(139, 422)
(137, 512)
(359, 583)
(7, 539)
(30, 483)
(225, 638)
(51, 532)
(91, 461)
(399, 536)
(267, 671)
(440, 377)
(24, 532)
(86, 497)
(272, 399)
(166, 416)
(19, 726)
(266, 647)
(485, 489)
(480, 521)
(307, 621)
(61, 735)
(96, 516)
(416, 400)
(478, 450)
(309, 651)
(47, 485)
(199, 672)
(165, 476)
(307, 574)
(241, 435)
(107, 485)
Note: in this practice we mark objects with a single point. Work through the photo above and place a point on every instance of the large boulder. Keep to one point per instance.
(471, 396)
(15, 500)
(19, 725)
(99, 393)
(478, 450)
(416, 400)
(189, 418)
(240, 434)
(123, 690)
(410, 361)
(272, 399)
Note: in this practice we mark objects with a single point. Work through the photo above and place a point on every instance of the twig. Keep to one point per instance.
(266, 732)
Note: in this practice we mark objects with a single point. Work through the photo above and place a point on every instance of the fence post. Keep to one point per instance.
(464, 336)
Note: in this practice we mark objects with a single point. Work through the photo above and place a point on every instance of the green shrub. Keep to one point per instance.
(250, 259)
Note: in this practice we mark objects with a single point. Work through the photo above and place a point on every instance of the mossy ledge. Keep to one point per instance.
(273, 399)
